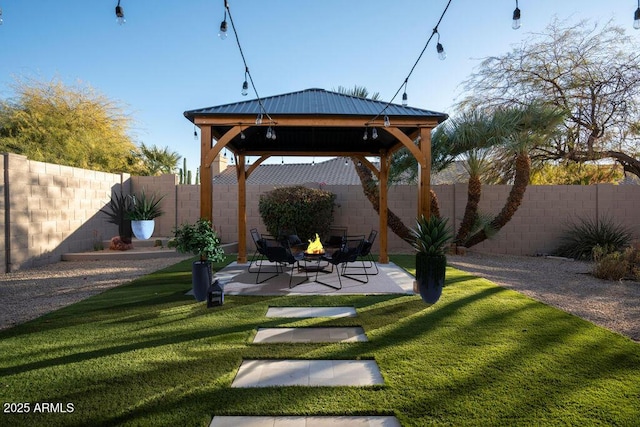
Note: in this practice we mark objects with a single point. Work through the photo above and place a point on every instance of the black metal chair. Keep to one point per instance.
(259, 252)
(348, 253)
(365, 255)
(280, 254)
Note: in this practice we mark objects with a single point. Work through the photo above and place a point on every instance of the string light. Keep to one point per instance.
(387, 122)
(636, 17)
(269, 132)
(1, 21)
(223, 25)
(245, 85)
(374, 133)
(366, 135)
(195, 132)
(441, 53)
(273, 134)
(415, 64)
(346, 162)
(516, 17)
(405, 98)
(242, 135)
(120, 14)
(259, 119)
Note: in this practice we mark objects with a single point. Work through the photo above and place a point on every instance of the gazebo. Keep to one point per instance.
(313, 122)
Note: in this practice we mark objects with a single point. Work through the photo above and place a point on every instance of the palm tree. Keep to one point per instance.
(159, 161)
(525, 128)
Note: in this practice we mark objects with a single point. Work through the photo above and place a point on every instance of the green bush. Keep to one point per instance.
(582, 236)
(617, 265)
(307, 210)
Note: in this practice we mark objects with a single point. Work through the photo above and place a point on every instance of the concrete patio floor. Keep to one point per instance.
(238, 281)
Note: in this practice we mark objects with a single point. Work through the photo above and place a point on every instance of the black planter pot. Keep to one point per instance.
(430, 272)
(201, 279)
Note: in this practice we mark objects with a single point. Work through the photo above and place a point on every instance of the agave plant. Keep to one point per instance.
(145, 208)
(117, 212)
(431, 235)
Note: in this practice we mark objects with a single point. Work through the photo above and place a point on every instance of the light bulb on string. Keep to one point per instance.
(120, 19)
(273, 134)
(195, 133)
(259, 119)
(636, 17)
(282, 161)
(269, 133)
(366, 135)
(223, 27)
(245, 84)
(387, 122)
(313, 162)
(405, 100)
(374, 133)
(442, 55)
(242, 135)
(516, 17)
(346, 162)
(1, 16)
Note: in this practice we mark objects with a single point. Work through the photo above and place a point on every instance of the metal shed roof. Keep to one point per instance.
(315, 102)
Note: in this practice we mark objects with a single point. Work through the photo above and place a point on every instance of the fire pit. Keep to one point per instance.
(315, 247)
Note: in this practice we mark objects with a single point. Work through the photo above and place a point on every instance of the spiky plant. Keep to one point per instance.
(144, 207)
(431, 235)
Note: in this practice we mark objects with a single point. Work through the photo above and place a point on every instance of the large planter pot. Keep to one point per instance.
(201, 279)
(143, 229)
(430, 272)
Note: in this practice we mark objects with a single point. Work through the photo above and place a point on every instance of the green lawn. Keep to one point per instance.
(145, 354)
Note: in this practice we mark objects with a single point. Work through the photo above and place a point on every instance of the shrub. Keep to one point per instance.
(617, 265)
(581, 237)
(307, 210)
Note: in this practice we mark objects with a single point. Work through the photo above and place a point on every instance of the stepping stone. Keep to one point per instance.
(311, 312)
(306, 335)
(360, 421)
(290, 372)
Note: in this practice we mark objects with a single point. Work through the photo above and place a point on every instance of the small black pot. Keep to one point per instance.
(430, 272)
(201, 275)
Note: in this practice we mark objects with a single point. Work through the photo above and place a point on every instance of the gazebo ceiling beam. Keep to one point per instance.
(315, 121)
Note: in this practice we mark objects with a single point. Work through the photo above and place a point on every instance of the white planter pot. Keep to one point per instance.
(143, 229)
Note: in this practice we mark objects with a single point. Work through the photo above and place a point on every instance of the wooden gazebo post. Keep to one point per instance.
(424, 177)
(206, 203)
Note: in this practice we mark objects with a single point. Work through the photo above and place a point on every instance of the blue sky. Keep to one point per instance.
(167, 58)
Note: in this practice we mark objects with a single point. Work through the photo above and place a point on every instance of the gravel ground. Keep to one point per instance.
(565, 284)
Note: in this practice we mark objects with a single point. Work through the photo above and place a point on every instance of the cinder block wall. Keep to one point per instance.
(52, 210)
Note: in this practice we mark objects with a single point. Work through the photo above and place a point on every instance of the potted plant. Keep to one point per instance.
(117, 211)
(201, 240)
(430, 238)
(142, 214)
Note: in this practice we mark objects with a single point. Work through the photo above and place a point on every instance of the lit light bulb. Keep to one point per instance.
(636, 19)
(269, 133)
(516, 19)
(441, 53)
(387, 122)
(120, 15)
(223, 30)
(374, 133)
(365, 136)
(259, 119)
(405, 100)
(245, 88)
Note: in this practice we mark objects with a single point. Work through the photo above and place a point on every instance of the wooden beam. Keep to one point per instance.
(315, 121)
(383, 258)
(206, 198)
(406, 141)
(211, 154)
(424, 175)
(242, 210)
(369, 166)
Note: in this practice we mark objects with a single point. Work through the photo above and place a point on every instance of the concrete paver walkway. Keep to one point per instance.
(302, 312)
(308, 335)
(362, 421)
(291, 372)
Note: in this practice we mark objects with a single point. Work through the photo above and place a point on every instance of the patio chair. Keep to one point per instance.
(365, 255)
(259, 252)
(282, 256)
(348, 253)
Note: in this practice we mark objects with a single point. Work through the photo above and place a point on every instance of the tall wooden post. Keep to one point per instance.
(242, 210)
(424, 184)
(206, 198)
(384, 177)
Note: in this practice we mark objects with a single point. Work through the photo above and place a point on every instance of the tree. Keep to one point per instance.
(74, 126)
(591, 72)
(159, 161)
